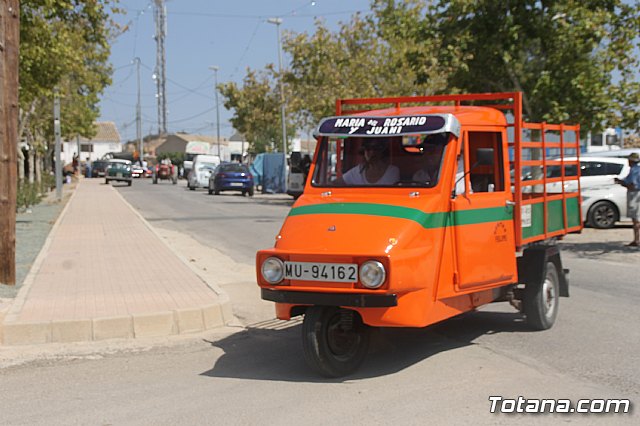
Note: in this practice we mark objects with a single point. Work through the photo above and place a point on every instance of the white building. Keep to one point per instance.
(608, 140)
(107, 139)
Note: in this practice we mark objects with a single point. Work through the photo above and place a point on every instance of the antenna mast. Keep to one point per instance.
(160, 72)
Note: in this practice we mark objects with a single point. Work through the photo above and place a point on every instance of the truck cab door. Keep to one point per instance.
(482, 213)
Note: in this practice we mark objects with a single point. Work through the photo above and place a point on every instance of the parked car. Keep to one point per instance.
(619, 153)
(603, 207)
(137, 171)
(231, 177)
(603, 201)
(98, 168)
(203, 167)
(118, 170)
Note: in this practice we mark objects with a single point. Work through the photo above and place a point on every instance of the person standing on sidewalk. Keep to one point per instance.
(632, 183)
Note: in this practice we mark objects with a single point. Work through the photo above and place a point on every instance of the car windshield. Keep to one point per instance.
(414, 160)
(210, 166)
(118, 166)
(237, 168)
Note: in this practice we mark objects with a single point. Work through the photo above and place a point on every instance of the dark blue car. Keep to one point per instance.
(231, 177)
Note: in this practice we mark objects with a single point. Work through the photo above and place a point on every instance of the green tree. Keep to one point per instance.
(574, 61)
(563, 55)
(370, 56)
(64, 45)
(256, 108)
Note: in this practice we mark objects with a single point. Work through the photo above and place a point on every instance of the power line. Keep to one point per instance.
(124, 80)
(122, 66)
(304, 6)
(194, 91)
(135, 34)
(200, 86)
(262, 17)
(110, 99)
(193, 116)
(246, 49)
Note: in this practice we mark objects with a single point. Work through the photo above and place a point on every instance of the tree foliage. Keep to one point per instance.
(575, 61)
(370, 56)
(563, 55)
(64, 44)
(257, 109)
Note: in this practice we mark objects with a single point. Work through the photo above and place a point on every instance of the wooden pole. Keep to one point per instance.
(9, 45)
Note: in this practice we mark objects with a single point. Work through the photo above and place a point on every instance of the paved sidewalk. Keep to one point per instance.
(104, 273)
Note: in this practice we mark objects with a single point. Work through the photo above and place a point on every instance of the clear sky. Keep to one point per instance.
(232, 34)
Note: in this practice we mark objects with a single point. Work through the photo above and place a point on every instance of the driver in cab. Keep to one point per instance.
(376, 169)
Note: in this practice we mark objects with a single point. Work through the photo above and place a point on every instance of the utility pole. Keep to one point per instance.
(79, 162)
(58, 150)
(161, 71)
(277, 22)
(215, 69)
(9, 48)
(139, 116)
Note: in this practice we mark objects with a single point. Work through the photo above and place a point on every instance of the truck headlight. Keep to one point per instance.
(272, 270)
(372, 274)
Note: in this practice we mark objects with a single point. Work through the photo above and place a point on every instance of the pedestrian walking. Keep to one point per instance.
(74, 164)
(632, 183)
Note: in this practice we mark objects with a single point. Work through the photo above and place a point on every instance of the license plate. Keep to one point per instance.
(118, 174)
(311, 271)
(236, 183)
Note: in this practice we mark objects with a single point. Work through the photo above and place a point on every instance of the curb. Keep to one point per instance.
(136, 326)
(225, 302)
(19, 301)
(159, 324)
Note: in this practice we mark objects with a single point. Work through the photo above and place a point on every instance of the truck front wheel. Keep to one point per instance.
(540, 300)
(335, 341)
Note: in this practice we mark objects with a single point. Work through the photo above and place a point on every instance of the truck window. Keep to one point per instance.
(380, 161)
(486, 178)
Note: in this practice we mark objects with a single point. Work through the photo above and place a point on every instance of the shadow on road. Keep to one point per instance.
(236, 197)
(594, 249)
(275, 201)
(272, 350)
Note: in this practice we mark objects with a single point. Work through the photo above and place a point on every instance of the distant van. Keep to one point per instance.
(203, 166)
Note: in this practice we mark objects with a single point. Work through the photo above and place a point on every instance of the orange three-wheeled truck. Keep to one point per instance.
(418, 209)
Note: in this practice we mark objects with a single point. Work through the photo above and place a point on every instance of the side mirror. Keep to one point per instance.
(484, 157)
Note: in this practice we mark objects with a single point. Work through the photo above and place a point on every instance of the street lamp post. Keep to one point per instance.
(139, 116)
(277, 22)
(215, 69)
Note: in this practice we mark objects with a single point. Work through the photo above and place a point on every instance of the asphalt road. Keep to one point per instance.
(442, 374)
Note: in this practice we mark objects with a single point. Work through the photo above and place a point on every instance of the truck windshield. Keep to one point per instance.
(380, 162)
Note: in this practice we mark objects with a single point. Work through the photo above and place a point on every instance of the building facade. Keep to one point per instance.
(106, 140)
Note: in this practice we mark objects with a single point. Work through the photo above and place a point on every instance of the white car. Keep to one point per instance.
(203, 167)
(603, 207)
(604, 202)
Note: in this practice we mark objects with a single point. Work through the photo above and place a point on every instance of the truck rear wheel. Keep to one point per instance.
(335, 341)
(540, 300)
